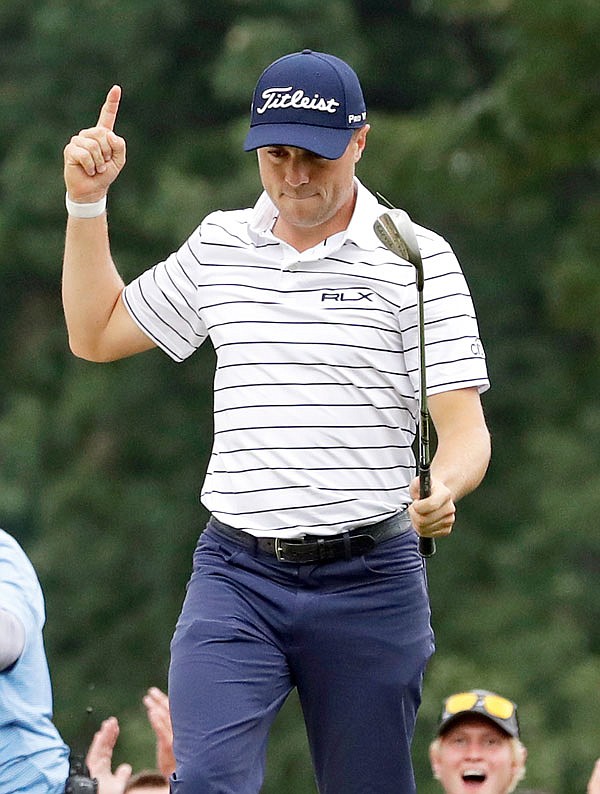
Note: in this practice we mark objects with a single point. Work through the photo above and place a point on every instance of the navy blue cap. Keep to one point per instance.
(308, 99)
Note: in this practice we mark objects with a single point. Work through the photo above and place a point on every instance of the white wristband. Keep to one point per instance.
(92, 210)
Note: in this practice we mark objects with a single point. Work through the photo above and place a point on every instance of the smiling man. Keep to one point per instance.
(478, 747)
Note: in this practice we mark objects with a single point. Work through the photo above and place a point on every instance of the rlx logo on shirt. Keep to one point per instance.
(347, 295)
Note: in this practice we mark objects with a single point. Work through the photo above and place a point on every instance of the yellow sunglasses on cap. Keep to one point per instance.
(499, 709)
(494, 705)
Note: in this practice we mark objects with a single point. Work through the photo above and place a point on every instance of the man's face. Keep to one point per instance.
(309, 191)
(475, 757)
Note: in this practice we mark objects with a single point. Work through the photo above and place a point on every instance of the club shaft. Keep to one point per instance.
(395, 230)
(426, 545)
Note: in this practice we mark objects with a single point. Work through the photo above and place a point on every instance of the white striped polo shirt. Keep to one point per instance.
(317, 382)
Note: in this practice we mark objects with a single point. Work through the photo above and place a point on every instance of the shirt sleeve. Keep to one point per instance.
(20, 591)
(454, 353)
(163, 302)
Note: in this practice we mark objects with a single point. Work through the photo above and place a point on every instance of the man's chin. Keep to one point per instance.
(301, 219)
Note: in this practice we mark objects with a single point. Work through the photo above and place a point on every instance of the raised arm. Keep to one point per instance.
(99, 326)
(460, 461)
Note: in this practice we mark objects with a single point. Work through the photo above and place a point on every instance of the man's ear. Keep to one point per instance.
(434, 760)
(521, 757)
(361, 142)
(518, 765)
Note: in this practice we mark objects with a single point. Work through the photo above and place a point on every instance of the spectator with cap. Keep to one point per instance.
(478, 746)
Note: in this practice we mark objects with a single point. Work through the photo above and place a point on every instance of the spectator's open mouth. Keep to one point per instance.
(474, 777)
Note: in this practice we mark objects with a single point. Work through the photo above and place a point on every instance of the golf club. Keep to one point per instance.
(395, 230)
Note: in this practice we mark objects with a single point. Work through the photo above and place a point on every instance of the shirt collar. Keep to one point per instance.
(359, 231)
(263, 216)
(366, 210)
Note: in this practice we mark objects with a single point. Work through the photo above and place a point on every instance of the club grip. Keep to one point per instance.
(426, 545)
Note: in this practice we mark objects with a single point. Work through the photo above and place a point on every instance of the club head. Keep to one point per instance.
(395, 231)
(388, 234)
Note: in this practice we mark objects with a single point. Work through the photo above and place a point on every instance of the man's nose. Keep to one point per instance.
(296, 173)
(474, 751)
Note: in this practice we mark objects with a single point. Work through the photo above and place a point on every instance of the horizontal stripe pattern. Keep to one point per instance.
(317, 380)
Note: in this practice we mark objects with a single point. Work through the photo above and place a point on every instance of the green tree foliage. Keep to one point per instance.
(506, 167)
(485, 127)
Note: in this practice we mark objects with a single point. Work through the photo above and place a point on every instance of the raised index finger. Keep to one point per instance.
(110, 108)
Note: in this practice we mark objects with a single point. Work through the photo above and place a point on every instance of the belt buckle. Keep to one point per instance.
(280, 553)
(278, 550)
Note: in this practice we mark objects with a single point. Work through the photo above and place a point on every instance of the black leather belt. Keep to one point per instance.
(315, 548)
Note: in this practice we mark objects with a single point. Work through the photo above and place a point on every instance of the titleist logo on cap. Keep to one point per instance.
(282, 98)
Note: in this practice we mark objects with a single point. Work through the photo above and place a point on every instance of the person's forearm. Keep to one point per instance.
(12, 639)
(463, 441)
(594, 782)
(461, 461)
(91, 286)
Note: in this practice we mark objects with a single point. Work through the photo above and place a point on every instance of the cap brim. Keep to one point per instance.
(509, 727)
(326, 142)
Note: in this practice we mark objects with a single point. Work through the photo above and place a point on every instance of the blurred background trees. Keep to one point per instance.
(486, 127)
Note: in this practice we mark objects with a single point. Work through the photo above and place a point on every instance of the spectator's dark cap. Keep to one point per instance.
(495, 708)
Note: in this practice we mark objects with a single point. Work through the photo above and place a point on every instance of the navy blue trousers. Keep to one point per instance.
(353, 637)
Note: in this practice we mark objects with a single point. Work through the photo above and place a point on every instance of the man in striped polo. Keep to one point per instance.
(308, 573)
